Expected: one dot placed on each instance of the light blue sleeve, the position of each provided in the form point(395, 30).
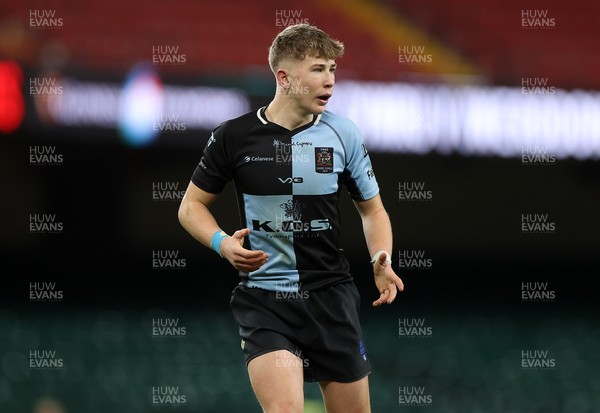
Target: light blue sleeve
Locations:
point(358, 175)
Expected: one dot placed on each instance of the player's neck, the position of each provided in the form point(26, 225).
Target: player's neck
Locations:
point(286, 113)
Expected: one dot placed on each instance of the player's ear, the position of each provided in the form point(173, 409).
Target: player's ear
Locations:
point(282, 78)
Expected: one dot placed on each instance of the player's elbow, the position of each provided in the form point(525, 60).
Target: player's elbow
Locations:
point(374, 212)
point(183, 212)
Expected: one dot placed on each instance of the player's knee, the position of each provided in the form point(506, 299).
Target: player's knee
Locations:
point(285, 406)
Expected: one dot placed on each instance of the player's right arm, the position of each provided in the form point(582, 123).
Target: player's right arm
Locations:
point(195, 216)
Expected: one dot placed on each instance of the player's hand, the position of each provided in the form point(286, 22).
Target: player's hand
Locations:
point(387, 282)
point(241, 258)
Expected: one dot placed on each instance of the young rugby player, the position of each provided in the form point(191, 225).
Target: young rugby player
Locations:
point(296, 305)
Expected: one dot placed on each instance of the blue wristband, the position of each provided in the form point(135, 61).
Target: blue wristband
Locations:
point(215, 242)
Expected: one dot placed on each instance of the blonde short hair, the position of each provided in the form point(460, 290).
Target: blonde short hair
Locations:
point(301, 40)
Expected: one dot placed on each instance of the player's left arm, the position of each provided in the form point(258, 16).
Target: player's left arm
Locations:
point(378, 234)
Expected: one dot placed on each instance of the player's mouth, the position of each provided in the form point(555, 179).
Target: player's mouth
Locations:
point(323, 99)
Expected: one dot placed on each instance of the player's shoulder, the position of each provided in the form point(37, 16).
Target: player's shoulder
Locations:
point(237, 126)
point(345, 129)
point(344, 126)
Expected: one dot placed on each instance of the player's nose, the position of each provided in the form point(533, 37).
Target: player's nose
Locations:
point(329, 80)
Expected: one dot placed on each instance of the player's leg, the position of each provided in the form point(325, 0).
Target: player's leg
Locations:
point(277, 378)
point(338, 357)
point(346, 397)
point(275, 369)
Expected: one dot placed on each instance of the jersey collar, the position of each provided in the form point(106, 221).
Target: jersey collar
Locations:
point(260, 113)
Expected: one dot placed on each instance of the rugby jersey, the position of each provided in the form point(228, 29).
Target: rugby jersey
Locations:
point(288, 185)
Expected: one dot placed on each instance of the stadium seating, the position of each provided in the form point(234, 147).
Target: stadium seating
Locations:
point(112, 362)
point(505, 50)
point(217, 39)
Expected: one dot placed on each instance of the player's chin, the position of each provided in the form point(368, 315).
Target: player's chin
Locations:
point(319, 108)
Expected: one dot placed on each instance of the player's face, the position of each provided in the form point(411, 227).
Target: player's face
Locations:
point(313, 79)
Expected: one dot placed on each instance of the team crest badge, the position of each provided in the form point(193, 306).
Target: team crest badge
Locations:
point(324, 160)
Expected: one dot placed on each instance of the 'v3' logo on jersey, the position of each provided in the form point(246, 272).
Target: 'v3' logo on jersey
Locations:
point(294, 180)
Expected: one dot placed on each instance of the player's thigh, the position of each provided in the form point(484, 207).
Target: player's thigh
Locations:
point(277, 378)
point(346, 397)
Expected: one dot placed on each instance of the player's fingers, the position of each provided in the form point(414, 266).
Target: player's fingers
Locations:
point(392, 295)
point(250, 254)
point(382, 298)
point(242, 252)
point(250, 258)
point(253, 261)
point(250, 265)
point(241, 233)
point(399, 284)
point(379, 301)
